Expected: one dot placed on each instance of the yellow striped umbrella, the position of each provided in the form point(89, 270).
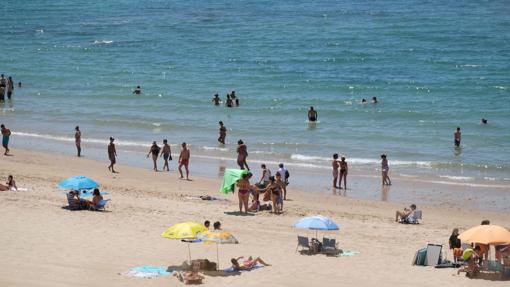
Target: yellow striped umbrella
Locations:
point(184, 231)
point(217, 237)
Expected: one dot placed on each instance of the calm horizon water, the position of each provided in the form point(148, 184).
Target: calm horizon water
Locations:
point(433, 65)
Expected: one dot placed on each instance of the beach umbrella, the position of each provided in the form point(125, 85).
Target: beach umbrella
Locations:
point(217, 237)
point(230, 178)
point(317, 222)
point(78, 183)
point(486, 234)
point(186, 232)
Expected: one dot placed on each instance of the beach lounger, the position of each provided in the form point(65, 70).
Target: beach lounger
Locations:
point(304, 243)
point(100, 205)
point(330, 247)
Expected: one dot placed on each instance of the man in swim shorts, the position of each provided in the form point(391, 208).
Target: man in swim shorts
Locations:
point(312, 115)
point(223, 133)
point(6, 133)
point(457, 137)
point(154, 150)
point(77, 139)
point(166, 154)
point(184, 160)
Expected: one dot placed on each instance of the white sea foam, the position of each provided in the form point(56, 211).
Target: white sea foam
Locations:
point(99, 42)
point(457, 178)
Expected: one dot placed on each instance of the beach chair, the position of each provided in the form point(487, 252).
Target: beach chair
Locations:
point(100, 205)
point(330, 247)
point(193, 277)
point(73, 204)
point(304, 243)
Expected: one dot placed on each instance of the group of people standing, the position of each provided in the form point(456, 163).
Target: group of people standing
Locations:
point(6, 87)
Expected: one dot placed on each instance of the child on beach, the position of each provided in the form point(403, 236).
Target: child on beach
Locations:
point(184, 160)
point(166, 154)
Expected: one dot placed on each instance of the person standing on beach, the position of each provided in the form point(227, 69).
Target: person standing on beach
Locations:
point(6, 133)
point(242, 154)
point(154, 150)
point(223, 133)
point(112, 155)
point(285, 179)
point(166, 154)
point(343, 173)
point(10, 88)
point(457, 137)
point(77, 139)
point(312, 115)
point(243, 192)
point(3, 87)
point(184, 160)
point(335, 166)
point(385, 169)
point(264, 179)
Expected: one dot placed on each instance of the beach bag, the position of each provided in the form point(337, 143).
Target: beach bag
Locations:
point(419, 258)
point(287, 174)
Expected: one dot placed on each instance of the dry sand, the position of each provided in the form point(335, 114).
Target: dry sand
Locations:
point(42, 244)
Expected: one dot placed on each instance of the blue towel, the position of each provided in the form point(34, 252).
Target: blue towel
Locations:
point(159, 270)
point(231, 269)
point(349, 253)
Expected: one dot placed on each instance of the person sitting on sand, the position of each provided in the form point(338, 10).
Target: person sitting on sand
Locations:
point(470, 255)
point(243, 188)
point(10, 184)
point(246, 264)
point(401, 215)
point(97, 197)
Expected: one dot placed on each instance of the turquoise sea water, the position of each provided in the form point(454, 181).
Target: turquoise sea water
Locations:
point(433, 65)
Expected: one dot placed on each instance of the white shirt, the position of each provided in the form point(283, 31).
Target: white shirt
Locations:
point(282, 171)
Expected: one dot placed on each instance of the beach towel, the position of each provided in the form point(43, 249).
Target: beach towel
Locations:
point(349, 253)
point(147, 272)
point(232, 270)
point(230, 178)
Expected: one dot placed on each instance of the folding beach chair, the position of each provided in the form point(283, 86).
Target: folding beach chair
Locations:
point(100, 205)
point(329, 246)
point(193, 277)
point(433, 256)
point(73, 204)
point(412, 218)
point(304, 243)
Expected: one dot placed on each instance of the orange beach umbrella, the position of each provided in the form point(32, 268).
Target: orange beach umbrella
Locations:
point(486, 234)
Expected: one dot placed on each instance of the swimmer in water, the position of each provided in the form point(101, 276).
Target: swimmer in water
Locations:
point(363, 101)
point(216, 100)
point(312, 115)
point(374, 100)
point(457, 137)
point(137, 91)
point(484, 121)
point(223, 133)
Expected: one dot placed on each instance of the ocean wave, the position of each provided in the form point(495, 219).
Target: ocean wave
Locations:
point(100, 42)
point(86, 140)
point(361, 161)
point(457, 178)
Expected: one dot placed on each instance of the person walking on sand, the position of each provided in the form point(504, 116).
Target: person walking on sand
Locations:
point(154, 150)
point(6, 133)
point(112, 155)
point(343, 173)
point(184, 160)
point(77, 139)
point(385, 169)
point(335, 166)
point(242, 154)
point(166, 154)
point(457, 137)
point(312, 115)
point(223, 133)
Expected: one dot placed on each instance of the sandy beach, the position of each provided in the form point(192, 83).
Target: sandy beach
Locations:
point(43, 244)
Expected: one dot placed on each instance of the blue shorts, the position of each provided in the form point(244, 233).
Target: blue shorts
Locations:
point(5, 140)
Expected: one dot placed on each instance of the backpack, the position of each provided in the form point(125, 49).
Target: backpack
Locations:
point(287, 174)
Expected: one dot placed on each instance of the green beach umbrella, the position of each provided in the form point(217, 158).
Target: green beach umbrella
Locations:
point(230, 178)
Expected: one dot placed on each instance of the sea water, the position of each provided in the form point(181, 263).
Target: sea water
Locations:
point(433, 65)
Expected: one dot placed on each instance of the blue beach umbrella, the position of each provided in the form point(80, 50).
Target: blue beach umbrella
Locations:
point(78, 183)
point(317, 222)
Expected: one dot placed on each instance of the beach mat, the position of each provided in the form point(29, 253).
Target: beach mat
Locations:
point(349, 253)
point(147, 272)
point(232, 270)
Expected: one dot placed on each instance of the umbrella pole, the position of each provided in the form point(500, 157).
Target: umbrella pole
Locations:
point(189, 254)
point(217, 258)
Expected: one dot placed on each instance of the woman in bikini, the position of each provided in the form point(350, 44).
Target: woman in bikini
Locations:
point(10, 184)
point(343, 173)
point(246, 264)
point(335, 166)
point(242, 154)
point(243, 188)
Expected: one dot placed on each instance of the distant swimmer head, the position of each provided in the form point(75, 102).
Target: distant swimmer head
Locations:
point(220, 122)
point(77, 128)
point(413, 206)
point(335, 156)
point(485, 222)
point(311, 108)
point(374, 100)
point(111, 139)
point(138, 87)
point(263, 166)
point(484, 121)
point(280, 165)
point(240, 142)
point(363, 100)
point(383, 156)
point(458, 129)
point(165, 141)
point(154, 143)
point(343, 158)
point(216, 96)
point(183, 144)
